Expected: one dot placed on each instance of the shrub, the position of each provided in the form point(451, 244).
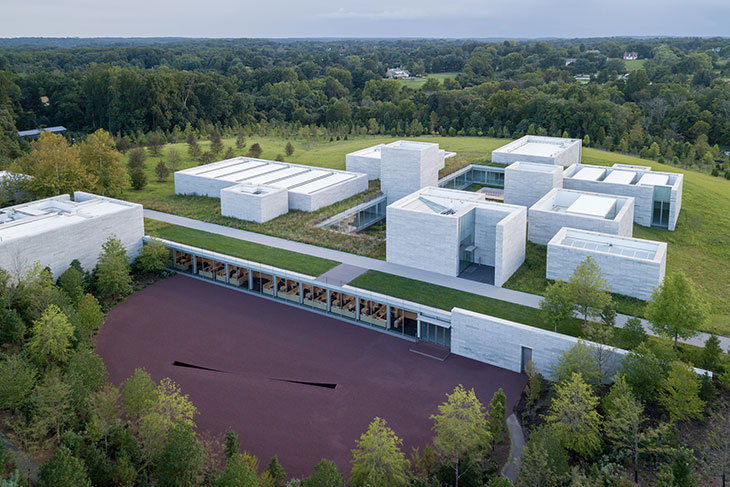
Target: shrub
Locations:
point(153, 258)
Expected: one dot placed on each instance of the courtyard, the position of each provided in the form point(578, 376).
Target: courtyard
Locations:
point(290, 382)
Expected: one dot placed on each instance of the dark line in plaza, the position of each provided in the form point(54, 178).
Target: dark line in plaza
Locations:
point(325, 385)
point(177, 363)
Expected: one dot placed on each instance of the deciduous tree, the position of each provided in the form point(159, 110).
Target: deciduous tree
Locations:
point(63, 470)
point(289, 149)
point(99, 155)
point(55, 167)
point(255, 150)
point(680, 393)
point(461, 431)
point(51, 338)
point(325, 475)
point(717, 444)
point(181, 460)
point(557, 306)
point(17, 379)
point(676, 309)
point(112, 269)
point(588, 289)
point(574, 416)
point(623, 422)
point(378, 459)
point(162, 171)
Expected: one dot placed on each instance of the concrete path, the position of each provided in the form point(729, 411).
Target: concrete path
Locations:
point(474, 287)
point(23, 462)
point(512, 467)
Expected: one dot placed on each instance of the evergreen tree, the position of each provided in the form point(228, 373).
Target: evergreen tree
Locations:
point(112, 270)
point(325, 475)
point(17, 379)
point(680, 394)
point(63, 470)
point(139, 179)
point(161, 171)
point(181, 460)
point(289, 149)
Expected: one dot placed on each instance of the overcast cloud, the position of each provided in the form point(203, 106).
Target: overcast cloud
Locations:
point(373, 18)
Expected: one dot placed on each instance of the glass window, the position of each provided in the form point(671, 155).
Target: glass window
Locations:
point(396, 320)
point(373, 313)
point(183, 261)
point(238, 276)
point(263, 283)
point(410, 323)
point(343, 304)
point(314, 296)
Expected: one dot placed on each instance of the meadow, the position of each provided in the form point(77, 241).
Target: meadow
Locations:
point(417, 83)
point(700, 246)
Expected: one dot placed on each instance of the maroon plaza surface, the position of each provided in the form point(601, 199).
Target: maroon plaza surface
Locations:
point(255, 341)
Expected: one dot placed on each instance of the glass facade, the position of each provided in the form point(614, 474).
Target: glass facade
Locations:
point(466, 240)
point(486, 175)
point(366, 310)
point(660, 211)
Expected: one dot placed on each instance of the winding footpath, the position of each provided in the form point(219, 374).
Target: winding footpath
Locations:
point(482, 289)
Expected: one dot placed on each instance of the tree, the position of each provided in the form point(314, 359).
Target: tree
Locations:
point(574, 416)
point(325, 475)
point(139, 179)
point(588, 289)
point(557, 307)
point(237, 473)
point(99, 155)
point(378, 459)
point(676, 309)
point(181, 460)
point(17, 379)
point(643, 372)
point(154, 143)
point(717, 444)
point(89, 317)
point(289, 149)
point(712, 353)
point(634, 333)
point(139, 394)
point(63, 470)
point(112, 269)
point(137, 158)
point(72, 282)
point(231, 446)
point(461, 431)
point(229, 153)
point(255, 150)
point(578, 359)
point(173, 157)
point(544, 461)
point(240, 141)
point(51, 338)
point(497, 416)
point(55, 167)
point(680, 394)
point(13, 327)
point(194, 151)
point(276, 472)
point(600, 336)
point(154, 257)
point(52, 399)
point(86, 373)
point(216, 144)
point(624, 418)
point(161, 171)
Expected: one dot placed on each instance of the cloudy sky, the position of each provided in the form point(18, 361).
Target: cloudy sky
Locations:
point(371, 18)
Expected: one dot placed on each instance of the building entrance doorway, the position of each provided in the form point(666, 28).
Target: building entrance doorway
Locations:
point(435, 334)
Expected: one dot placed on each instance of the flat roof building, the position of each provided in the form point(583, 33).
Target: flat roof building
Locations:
point(60, 129)
point(308, 188)
point(543, 150)
point(452, 232)
point(526, 182)
point(254, 202)
point(578, 209)
point(657, 195)
point(368, 160)
point(631, 266)
point(54, 231)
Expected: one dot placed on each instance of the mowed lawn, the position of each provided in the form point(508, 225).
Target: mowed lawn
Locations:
point(417, 83)
point(700, 246)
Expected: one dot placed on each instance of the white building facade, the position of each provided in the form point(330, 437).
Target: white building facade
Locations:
point(539, 149)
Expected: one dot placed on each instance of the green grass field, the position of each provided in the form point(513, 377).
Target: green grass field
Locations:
point(284, 259)
point(417, 83)
point(634, 64)
point(700, 246)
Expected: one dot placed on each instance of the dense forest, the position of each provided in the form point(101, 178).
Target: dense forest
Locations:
point(677, 105)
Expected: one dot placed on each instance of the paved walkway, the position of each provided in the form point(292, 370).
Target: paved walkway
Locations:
point(466, 285)
point(517, 438)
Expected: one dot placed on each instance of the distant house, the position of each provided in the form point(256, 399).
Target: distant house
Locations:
point(45, 101)
point(631, 56)
point(593, 51)
point(397, 73)
point(570, 60)
point(36, 132)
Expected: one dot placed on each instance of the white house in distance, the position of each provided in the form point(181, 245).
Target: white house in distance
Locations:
point(657, 195)
point(631, 266)
point(308, 188)
point(577, 209)
point(448, 231)
point(54, 231)
point(543, 150)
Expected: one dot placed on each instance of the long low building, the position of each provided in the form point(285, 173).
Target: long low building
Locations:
point(631, 266)
point(452, 232)
point(543, 150)
point(657, 195)
point(54, 231)
point(308, 188)
point(579, 209)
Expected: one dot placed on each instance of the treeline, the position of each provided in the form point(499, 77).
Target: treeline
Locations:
point(680, 101)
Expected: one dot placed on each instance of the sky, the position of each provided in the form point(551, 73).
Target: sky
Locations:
point(372, 18)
